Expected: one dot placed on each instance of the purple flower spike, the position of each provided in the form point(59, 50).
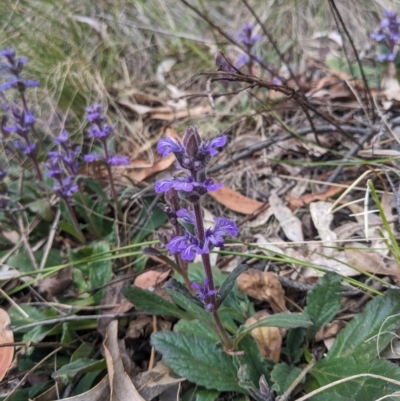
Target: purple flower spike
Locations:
point(66, 188)
point(28, 149)
point(167, 145)
point(178, 183)
point(117, 160)
point(91, 157)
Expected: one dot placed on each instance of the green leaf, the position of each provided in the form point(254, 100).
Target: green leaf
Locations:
point(363, 388)
point(230, 282)
point(79, 366)
point(197, 328)
point(150, 302)
point(207, 395)
point(294, 341)
point(85, 350)
point(323, 302)
point(252, 365)
point(283, 376)
point(194, 311)
point(197, 359)
point(370, 331)
point(42, 208)
point(283, 320)
point(100, 271)
point(175, 285)
point(70, 229)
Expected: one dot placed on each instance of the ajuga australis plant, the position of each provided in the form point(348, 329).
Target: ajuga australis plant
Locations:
point(190, 237)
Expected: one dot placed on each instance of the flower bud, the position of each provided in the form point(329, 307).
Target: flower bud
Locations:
point(191, 141)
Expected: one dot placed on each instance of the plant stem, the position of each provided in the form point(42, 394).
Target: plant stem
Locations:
point(207, 268)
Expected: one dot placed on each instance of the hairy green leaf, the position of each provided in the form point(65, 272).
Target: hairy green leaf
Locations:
point(150, 302)
point(197, 359)
point(370, 331)
point(229, 283)
point(283, 320)
point(197, 328)
point(323, 302)
point(283, 376)
point(365, 388)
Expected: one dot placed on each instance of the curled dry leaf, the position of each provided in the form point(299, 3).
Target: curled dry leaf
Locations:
point(122, 388)
point(264, 287)
point(268, 339)
point(289, 223)
point(100, 392)
point(150, 278)
point(155, 381)
point(322, 218)
point(6, 336)
point(235, 201)
point(295, 203)
point(370, 262)
point(330, 330)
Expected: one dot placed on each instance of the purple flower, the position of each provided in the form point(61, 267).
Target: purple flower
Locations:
point(98, 132)
point(94, 112)
point(187, 245)
point(66, 187)
point(214, 236)
point(19, 84)
point(246, 37)
point(167, 145)
point(91, 157)
point(63, 138)
point(28, 149)
point(3, 173)
point(204, 293)
point(187, 184)
point(9, 53)
point(218, 142)
point(117, 160)
point(187, 216)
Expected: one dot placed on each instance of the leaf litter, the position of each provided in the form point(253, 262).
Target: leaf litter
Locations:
point(284, 218)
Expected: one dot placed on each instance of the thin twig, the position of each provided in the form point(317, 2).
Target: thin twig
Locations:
point(72, 318)
point(52, 233)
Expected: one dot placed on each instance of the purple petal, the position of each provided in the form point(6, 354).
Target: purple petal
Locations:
point(117, 160)
point(164, 185)
point(186, 215)
point(166, 146)
point(91, 157)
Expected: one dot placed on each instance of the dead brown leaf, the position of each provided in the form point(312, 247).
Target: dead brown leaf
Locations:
point(100, 392)
point(263, 286)
point(56, 285)
point(290, 224)
point(370, 262)
point(6, 336)
point(155, 381)
point(150, 278)
point(235, 201)
point(122, 388)
point(268, 339)
point(295, 203)
point(142, 173)
point(330, 330)
point(137, 327)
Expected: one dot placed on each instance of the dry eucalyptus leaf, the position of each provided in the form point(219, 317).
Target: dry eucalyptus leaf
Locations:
point(369, 261)
point(330, 330)
point(264, 287)
point(289, 223)
point(153, 382)
point(322, 218)
point(235, 201)
point(268, 339)
point(6, 336)
point(150, 278)
point(122, 388)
